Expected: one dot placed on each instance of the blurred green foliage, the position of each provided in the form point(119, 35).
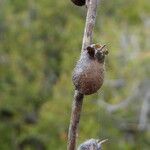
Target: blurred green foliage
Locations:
point(40, 41)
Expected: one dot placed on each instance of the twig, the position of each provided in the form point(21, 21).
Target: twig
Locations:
point(143, 119)
point(78, 97)
point(75, 117)
point(90, 23)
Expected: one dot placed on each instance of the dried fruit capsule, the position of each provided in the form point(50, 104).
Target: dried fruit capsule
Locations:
point(79, 2)
point(92, 144)
point(88, 74)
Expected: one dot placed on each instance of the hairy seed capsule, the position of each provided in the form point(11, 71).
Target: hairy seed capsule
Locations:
point(88, 74)
point(92, 144)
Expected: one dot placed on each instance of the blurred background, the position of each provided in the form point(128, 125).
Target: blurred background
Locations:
point(40, 42)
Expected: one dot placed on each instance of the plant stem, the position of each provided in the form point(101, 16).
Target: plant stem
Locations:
point(75, 117)
point(90, 23)
point(78, 97)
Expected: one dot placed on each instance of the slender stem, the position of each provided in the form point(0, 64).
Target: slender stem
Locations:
point(75, 117)
point(90, 23)
point(78, 97)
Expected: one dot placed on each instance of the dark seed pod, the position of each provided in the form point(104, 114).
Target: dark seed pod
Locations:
point(88, 74)
point(79, 2)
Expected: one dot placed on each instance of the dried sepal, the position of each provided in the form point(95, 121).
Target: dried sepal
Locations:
point(79, 2)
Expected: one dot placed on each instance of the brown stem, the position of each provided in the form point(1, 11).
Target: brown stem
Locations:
point(78, 97)
point(90, 23)
point(75, 117)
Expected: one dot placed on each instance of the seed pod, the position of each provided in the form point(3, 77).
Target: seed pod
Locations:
point(79, 2)
point(88, 74)
point(92, 144)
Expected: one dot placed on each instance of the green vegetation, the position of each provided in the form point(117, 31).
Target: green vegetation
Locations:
point(40, 41)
